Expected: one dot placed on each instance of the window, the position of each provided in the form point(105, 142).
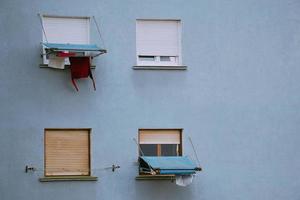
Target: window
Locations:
point(67, 152)
point(65, 30)
point(161, 155)
point(160, 142)
point(158, 42)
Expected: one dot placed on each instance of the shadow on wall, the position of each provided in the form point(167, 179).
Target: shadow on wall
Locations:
point(162, 190)
point(158, 78)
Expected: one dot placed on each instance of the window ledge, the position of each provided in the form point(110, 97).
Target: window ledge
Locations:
point(68, 178)
point(66, 66)
point(151, 67)
point(155, 177)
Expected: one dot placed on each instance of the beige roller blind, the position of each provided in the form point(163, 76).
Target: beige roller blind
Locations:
point(67, 152)
point(159, 136)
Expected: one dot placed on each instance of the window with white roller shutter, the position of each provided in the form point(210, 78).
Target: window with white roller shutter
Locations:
point(63, 30)
point(158, 42)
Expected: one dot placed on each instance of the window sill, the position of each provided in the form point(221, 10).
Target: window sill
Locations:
point(144, 67)
point(68, 178)
point(155, 177)
point(66, 66)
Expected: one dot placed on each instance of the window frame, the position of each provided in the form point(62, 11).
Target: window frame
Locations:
point(89, 131)
point(180, 151)
point(177, 62)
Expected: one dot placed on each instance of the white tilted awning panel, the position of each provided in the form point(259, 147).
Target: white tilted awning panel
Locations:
point(67, 30)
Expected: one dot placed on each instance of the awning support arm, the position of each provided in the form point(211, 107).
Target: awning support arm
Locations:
point(102, 52)
point(140, 149)
point(98, 30)
point(41, 21)
point(190, 139)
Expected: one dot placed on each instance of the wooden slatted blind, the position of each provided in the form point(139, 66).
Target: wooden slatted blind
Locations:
point(67, 152)
point(153, 136)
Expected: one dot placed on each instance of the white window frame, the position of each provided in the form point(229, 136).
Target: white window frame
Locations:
point(175, 60)
point(45, 60)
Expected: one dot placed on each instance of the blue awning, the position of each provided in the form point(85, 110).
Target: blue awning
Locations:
point(73, 47)
point(171, 164)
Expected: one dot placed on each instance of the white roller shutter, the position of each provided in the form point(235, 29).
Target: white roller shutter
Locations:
point(74, 30)
point(158, 38)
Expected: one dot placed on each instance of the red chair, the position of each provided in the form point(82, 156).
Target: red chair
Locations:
point(81, 68)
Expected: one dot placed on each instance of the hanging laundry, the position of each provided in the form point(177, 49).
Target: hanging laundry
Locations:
point(81, 68)
point(65, 54)
point(57, 62)
point(184, 180)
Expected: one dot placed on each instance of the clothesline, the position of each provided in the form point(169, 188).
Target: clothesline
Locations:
point(35, 169)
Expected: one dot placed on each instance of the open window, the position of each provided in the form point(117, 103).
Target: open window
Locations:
point(161, 154)
point(66, 41)
point(160, 142)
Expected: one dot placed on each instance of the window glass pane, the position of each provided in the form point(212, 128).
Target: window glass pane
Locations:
point(169, 150)
point(147, 58)
point(165, 58)
point(149, 149)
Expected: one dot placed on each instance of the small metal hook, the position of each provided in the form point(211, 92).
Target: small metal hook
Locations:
point(114, 167)
point(27, 169)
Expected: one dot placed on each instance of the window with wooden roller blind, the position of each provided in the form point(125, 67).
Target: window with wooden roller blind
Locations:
point(67, 152)
point(161, 142)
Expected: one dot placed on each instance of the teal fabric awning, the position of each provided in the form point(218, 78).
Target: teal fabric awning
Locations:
point(178, 165)
point(73, 47)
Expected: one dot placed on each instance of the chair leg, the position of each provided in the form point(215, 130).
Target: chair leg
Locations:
point(74, 83)
point(91, 76)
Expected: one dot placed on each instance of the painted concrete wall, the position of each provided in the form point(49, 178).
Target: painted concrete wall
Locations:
point(239, 99)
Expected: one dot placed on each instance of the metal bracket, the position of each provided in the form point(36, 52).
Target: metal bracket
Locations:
point(114, 167)
point(198, 168)
point(31, 169)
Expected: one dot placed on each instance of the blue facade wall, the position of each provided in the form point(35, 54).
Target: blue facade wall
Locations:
point(239, 99)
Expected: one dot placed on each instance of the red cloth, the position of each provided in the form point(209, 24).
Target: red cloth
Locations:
point(81, 68)
point(63, 54)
